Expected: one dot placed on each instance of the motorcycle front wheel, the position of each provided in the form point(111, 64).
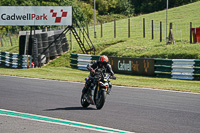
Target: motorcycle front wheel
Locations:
point(100, 102)
point(84, 102)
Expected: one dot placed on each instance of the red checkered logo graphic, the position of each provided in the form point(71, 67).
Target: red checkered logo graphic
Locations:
point(58, 19)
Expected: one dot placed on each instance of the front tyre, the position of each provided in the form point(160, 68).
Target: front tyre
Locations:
point(84, 102)
point(100, 102)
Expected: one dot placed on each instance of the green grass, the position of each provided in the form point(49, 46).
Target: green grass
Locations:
point(69, 74)
point(137, 46)
point(152, 50)
point(61, 61)
point(6, 46)
point(109, 18)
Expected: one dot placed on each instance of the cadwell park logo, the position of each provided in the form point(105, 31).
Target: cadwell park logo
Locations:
point(35, 17)
point(58, 19)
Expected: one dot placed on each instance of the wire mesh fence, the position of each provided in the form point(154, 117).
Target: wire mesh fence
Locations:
point(154, 30)
point(8, 39)
point(118, 30)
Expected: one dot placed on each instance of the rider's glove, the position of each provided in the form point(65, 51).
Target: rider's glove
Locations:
point(113, 77)
point(92, 72)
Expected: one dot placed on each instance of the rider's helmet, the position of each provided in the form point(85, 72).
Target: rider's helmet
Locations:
point(103, 59)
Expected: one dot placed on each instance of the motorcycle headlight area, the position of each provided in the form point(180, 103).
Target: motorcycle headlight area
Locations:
point(103, 84)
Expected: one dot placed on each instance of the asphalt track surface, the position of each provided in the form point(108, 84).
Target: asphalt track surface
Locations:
point(137, 110)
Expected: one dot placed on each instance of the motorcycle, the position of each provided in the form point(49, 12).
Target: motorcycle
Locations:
point(97, 92)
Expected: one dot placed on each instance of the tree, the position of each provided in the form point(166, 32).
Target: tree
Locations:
point(147, 6)
point(88, 11)
point(8, 3)
point(124, 7)
point(105, 6)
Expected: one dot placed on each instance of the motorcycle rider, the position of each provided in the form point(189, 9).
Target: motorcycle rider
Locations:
point(102, 63)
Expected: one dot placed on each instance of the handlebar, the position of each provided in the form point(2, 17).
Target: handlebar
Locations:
point(99, 73)
point(111, 77)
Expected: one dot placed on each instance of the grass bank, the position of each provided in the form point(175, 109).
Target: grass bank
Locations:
point(69, 74)
point(137, 46)
point(150, 49)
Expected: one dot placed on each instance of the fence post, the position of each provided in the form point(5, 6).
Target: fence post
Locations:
point(26, 43)
point(101, 30)
point(129, 28)
point(10, 39)
point(71, 39)
point(160, 31)
point(1, 42)
point(190, 32)
point(114, 28)
point(143, 27)
point(30, 42)
point(83, 36)
point(152, 30)
point(35, 52)
point(171, 36)
point(46, 29)
point(171, 26)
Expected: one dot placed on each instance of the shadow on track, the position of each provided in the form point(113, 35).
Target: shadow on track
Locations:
point(69, 108)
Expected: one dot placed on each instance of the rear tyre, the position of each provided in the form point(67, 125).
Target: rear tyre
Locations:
point(100, 102)
point(84, 102)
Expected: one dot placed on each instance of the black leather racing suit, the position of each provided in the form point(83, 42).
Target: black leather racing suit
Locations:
point(95, 66)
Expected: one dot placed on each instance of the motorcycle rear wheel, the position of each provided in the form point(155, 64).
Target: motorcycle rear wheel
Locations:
point(84, 102)
point(100, 102)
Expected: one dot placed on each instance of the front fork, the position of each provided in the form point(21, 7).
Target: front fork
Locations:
point(98, 93)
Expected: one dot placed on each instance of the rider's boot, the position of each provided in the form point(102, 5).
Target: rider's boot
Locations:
point(109, 90)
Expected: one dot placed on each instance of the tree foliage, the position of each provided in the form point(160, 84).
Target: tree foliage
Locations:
point(124, 7)
point(147, 6)
point(88, 11)
point(105, 6)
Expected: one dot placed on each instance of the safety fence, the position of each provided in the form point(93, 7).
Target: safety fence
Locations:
point(168, 68)
point(145, 28)
point(81, 61)
point(178, 68)
point(15, 60)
